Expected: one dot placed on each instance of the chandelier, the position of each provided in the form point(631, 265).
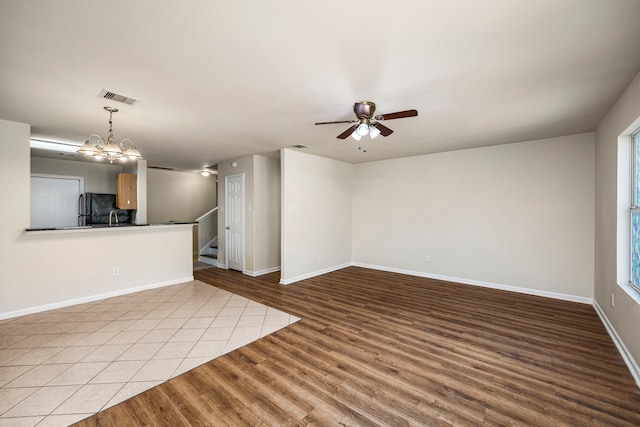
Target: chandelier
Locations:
point(98, 148)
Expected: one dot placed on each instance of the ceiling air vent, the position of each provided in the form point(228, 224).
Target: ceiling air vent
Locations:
point(161, 168)
point(116, 97)
point(299, 146)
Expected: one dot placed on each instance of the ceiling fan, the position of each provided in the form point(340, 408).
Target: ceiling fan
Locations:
point(367, 123)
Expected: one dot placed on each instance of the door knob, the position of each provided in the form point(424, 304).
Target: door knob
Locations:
point(227, 228)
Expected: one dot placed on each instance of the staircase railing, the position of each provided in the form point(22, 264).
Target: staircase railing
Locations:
point(207, 228)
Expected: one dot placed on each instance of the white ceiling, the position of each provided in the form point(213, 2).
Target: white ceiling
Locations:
point(222, 79)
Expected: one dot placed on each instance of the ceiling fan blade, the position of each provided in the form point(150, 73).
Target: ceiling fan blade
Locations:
point(397, 115)
point(347, 132)
point(384, 131)
point(331, 123)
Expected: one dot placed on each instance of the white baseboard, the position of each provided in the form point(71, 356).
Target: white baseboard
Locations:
point(91, 298)
point(622, 349)
point(314, 274)
point(221, 265)
point(261, 272)
point(555, 295)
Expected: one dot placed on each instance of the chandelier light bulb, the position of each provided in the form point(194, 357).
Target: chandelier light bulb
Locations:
point(89, 149)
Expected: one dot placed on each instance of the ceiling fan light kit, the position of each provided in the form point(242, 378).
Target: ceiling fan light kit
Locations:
point(373, 132)
point(363, 129)
point(367, 123)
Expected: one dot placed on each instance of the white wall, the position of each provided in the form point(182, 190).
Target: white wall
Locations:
point(98, 177)
point(15, 173)
point(624, 317)
point(142, 171)
point(517, 215)
point(316, 215)
point(178, 196)
point(266, 214)
point(48, 270)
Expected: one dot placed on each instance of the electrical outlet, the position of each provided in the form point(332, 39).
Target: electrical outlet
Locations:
point(427, 258)
point(116, 271)
point(613, 300)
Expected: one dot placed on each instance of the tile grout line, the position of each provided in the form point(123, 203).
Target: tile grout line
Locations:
point(194, 302)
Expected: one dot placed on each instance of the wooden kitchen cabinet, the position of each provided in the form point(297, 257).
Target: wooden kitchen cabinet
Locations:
point(127, 191)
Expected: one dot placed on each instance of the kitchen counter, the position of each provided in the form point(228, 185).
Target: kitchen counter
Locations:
point(104, 228)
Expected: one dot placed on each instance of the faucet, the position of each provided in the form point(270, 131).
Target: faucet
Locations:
point(115, 213)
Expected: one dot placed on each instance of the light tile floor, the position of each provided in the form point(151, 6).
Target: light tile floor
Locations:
point(60, 366)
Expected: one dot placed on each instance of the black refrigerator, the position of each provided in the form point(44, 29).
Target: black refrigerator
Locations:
point(94, 208)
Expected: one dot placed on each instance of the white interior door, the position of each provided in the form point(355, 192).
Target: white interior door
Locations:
point(54, 200)
point(234, 218)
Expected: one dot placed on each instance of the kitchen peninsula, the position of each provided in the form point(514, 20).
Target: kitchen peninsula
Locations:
point(46, 269)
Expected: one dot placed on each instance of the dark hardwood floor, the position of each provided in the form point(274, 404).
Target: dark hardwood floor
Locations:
point(378, 348)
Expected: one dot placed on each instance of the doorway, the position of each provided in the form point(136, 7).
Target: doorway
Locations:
point(234, 221)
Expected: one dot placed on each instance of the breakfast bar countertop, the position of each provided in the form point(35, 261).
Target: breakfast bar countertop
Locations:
point(103, 228)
